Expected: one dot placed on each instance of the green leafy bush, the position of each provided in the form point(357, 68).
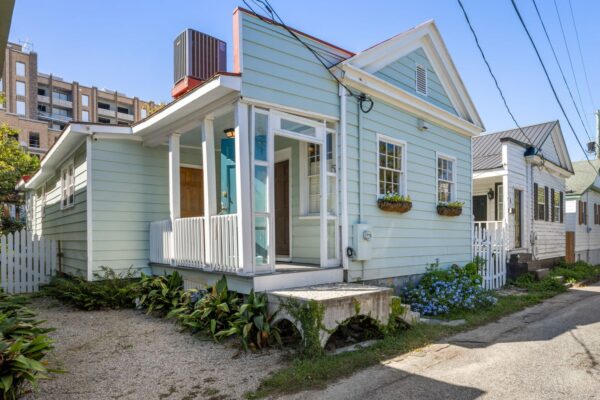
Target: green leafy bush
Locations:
point(252, 323)
point(547, 284)
point(221, 313)
point(579, 271)
point(211, 312)
point(160, 294)
point(109, 290)
point(23, 345)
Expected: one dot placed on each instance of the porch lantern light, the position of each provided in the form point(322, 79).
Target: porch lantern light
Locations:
point(230, 132)
point(490, 194)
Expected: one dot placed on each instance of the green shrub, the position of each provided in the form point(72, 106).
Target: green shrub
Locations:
point(160, 294)
point(221, 313)
point(23, 345)
point(252, 323)
point(579, 271)
point(547, 284)
point(211, 313)
point(109, 290)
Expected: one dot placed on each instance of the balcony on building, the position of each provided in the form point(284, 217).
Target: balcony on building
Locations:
point(62, 98)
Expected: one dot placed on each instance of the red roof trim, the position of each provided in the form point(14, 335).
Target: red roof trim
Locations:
point(270, 21)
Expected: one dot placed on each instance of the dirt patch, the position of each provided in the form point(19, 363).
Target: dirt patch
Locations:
point(128, 355)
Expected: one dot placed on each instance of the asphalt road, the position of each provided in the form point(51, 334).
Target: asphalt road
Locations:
point(549, 351)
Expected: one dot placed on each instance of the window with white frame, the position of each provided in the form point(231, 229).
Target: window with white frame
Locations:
point(85, 100)
point(446, 179)
point(20, 107)
point(391, 158)
point(67, 186)
point(85, 116)
point(312, 182)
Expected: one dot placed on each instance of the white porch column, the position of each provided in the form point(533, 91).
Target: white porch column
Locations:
point(244, 196)
point(210, 183)
point(174, 179)
point(174, 187)
point(324, 192)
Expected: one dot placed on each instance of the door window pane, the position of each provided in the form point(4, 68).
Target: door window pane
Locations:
point(261, 130)
point(260, 188)
point(261, 240)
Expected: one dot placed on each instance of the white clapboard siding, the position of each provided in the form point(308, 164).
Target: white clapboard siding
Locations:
point(26, 262)
point(489, 246)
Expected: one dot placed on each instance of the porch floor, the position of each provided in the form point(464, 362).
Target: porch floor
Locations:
point(284, 267)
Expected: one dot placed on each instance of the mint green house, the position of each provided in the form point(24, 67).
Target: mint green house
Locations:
point(271, 173)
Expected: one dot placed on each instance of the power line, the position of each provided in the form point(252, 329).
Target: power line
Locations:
point(492, 74)
point(549, 80)
point(564, 36)
point(581, 56)
point(561, 70)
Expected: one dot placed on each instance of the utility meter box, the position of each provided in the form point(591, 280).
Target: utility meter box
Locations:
point(363, 238)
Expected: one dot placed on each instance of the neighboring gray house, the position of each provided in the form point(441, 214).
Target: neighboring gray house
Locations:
point(582, 212)
point(519, 185)
point(271, 174)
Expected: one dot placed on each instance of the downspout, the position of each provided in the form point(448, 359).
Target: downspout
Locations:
point(344, 177)
point(360, 179)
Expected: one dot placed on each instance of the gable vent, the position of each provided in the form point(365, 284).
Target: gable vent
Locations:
point(421, 80)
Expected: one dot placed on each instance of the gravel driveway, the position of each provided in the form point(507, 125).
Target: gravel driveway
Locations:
point(128, 355)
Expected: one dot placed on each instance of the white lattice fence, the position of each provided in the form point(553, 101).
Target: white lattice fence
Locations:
point(491, 249)
point(26, 261)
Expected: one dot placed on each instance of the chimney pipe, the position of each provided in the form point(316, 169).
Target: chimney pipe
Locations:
point(598, 134)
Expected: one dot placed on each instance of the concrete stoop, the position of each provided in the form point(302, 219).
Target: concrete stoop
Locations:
point(340, 302)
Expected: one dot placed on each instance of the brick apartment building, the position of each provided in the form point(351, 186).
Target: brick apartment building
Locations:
point(40, 105)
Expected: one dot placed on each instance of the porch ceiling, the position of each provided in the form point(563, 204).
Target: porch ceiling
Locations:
point(213, 98)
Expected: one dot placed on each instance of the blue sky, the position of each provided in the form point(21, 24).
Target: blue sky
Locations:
point(127, 45)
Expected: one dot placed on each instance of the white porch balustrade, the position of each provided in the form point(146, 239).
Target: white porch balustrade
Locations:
point(183, 243)
point(160, 242)
point(188, 241)
point(225, 246)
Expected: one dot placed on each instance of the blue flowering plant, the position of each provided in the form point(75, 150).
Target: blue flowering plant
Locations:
point(443, 291)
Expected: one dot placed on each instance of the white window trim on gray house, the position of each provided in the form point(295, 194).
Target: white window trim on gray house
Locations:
point(67, 185)
point(452, 182)
point(402, 187)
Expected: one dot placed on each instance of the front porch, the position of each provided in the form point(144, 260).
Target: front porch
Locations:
point(250, 198)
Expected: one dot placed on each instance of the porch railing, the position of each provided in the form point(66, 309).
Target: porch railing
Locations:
point(183, 242)
point(188, 240)
point(160, 242)
point(224, 234)
point(494, 229)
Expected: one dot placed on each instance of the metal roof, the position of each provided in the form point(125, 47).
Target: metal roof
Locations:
point(487, 149)
point(584, 177)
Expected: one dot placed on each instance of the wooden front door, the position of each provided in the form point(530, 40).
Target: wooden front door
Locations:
point(192, 192)
point(282, 208)
point(480, 208)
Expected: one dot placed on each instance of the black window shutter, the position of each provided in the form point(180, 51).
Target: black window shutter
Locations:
point(547, 203)
point(580, 212)
point(562, 208)
point(553, 217)
point(535, 201)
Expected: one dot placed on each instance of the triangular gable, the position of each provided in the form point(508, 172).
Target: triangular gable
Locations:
point(427, 39)
point(402, 73)
point(554, 149)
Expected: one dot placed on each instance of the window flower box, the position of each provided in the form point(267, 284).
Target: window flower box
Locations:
point(453, 209)
point(394, 202)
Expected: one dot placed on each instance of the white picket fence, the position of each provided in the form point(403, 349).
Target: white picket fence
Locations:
point(490, 247)
point(26, 261)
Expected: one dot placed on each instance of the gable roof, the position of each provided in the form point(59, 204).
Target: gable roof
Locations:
point(487, 149)
point(427, 37)
point(584, 177)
